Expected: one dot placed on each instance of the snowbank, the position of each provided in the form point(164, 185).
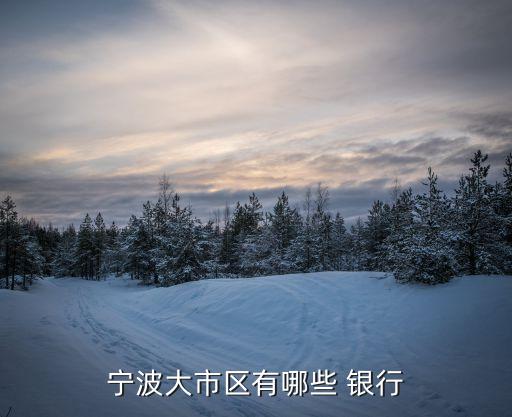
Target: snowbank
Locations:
point(452, 342)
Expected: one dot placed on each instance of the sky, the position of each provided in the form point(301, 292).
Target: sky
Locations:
point(99, 98)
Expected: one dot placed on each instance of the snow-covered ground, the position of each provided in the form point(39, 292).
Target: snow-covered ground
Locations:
point(59, 341)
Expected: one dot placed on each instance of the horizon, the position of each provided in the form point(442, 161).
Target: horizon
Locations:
point(297, 201)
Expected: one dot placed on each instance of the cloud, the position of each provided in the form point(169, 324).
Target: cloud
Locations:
point(243, 95)
point(494, 125)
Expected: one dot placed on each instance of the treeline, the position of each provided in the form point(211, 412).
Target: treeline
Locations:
point(426, 237)
point(21, 252)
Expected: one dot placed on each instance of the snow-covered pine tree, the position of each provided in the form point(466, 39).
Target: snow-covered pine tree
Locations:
point(322, 232)
point(357, 253)
point(182, 261)
point(503, 207)
point(240, 235)
point(433, 246)
point(401, 229)
point(145, 245)
point(301, 251)
point(256, 252)
point(283, 225)
point(9, 235)
point(376, 230)
point(130, 248)
point(186, 267)
point(49, 239)
point(64, 264)
point(85, 249)
point(312, 248)
point(227, 255)
point(99, 246)
point(340, 244)
point(247, 236)
point(209, 240)
point(165, 215)
point(171, 240)
point(30, 259)
point(113, 254)
point(426, 253)
point(480, 231)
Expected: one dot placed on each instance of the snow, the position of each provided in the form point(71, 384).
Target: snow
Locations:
point(59, 341)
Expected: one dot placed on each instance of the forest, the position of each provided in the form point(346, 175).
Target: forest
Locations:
point(426, 237)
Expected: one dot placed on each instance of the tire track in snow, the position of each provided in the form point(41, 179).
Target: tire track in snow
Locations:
point(140, 357)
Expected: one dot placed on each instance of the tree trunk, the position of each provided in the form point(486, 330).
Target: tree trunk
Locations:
point(13, 271)
point(6, 266)
point(472, 259)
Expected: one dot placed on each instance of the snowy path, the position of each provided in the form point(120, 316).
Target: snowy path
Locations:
point(452, 342)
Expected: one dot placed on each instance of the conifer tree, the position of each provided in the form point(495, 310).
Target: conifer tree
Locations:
point(9, 239)
point(131, 248)
point(376, 231)
point(283, 227)
point(64, 264)
point(340, 244)
point(227, 249)
point(209, 240)
point(186, 267)
point(478, 227)
point(99, 242)
point(323, 251)
point(400, 229)
point(358, 255)
point(85, 249)
point(113, 259)
point(426, 253)
point(30, 259)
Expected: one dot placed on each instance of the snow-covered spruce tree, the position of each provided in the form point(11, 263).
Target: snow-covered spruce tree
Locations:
point(479, 229)
point(149, 246)
point(84, 254)
point(64, 264)
point(30, 259)
point(209, 240)
point(9, 235)
point(130, 247)
point(169, 220)
point(340, 244)
point(312, 249)
point(503, 207)
point(113, 254)
point(139, 244)
point(300, 252)
point(507, 197)
point(182, 260)
point(99, 242)
point(186, 267)
point(376, 230)
point(256, 252)
point(427, 253)
point(227, 255)
point(49, 240)
point(282, 227)
point(166, 218)
point(357, 256)
point(230, 248)
point(322, 227)
point(246, 233)
point(400, 235)
point(20, 252)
